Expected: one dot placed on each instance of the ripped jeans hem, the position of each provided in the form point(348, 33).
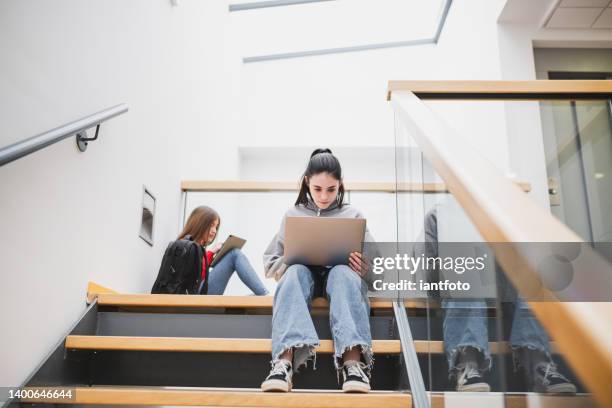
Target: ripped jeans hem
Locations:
point(529, 346)
point(366, 353)
point(485, 365)
point(302, 354)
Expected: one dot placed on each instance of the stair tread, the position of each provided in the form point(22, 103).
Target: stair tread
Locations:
point(223, 397)
point(509, 400)
point(198, 344)
point(253, 397)
point(222, 301)
point(243, 345)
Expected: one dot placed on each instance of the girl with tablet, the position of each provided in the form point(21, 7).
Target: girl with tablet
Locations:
point(294, 337)
point(202, 225)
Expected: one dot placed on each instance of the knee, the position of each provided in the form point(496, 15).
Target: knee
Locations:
point(295, 274)
point(343, 275)
point(296, 282)
point(234, 253)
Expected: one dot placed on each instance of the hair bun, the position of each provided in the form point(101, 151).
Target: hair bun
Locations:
point(317, 151)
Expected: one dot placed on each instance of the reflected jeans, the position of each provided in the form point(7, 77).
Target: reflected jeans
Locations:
point(465, 325)
point(349, 311)
point(236, 261)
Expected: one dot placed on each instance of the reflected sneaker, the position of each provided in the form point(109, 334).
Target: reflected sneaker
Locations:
point(279, 378)
point(354, 377)
point(547, 379)
point(469, 379)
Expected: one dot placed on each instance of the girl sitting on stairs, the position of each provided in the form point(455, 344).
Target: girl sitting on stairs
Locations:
point(294, 337)
point(202, 225)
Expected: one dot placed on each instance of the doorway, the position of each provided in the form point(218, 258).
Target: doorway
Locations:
point(578, 144)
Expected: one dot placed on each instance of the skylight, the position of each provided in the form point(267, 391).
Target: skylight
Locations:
point(270, 30)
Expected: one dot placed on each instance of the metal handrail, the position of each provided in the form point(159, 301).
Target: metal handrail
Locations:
point(413, 369)
point(30, 145)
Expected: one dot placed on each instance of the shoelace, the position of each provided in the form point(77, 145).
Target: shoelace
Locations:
point(356, 369)
point(469, 371)
point(551, 372)
point(280, 368)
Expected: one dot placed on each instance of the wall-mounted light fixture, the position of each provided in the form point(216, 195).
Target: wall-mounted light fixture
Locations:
point(148, 215)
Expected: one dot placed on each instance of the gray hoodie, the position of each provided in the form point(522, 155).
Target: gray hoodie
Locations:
point(273, 258)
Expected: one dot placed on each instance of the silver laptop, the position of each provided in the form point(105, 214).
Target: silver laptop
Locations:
point(325, 241)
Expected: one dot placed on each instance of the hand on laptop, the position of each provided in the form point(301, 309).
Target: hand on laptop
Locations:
point(356, 262)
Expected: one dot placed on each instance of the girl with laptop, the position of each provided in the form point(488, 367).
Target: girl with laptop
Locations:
point(202, 225)
point(294, 337)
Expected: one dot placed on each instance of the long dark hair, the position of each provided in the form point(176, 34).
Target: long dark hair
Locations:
point(199, 222)
point(321, 161)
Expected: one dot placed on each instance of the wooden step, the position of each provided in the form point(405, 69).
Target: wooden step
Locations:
point(164, 396)
point(238, 345)
point(214, 301)
point(208, 345)
point(232, 397)
point(495, 347)
point(509, 400)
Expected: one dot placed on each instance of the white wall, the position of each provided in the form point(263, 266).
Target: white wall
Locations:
point(338, 100)
point(67, 218)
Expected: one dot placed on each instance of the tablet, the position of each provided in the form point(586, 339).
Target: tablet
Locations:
point(230, 243)
point(324, 241)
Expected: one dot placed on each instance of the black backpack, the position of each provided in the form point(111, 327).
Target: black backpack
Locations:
point(181, 269)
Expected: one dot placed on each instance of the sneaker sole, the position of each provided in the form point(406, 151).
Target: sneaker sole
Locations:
point(477, 387)
point(565, 388)
point(355, 386)
point(275, 386)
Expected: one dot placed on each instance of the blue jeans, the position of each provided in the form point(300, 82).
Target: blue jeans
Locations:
point(465, 325)
point(349, 312)
point(221, 273)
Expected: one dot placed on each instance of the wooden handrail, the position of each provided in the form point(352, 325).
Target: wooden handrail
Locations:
point(504, 90)
point(267, 186)
point(501, 213)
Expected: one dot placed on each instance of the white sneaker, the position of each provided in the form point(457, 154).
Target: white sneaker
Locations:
point(354, 377)
point(279, 378)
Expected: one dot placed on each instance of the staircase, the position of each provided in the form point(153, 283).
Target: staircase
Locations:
point(167, 350)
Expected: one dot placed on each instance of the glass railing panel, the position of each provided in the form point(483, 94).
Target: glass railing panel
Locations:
point(492, 318)
point(379, 210)
point(561, 150)
point(445, 326)
point(578, 150)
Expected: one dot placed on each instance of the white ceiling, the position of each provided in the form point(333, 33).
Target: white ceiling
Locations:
point(581, 14)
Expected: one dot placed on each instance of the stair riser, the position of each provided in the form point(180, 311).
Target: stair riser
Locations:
point(57, 368)
point(229, 326)
point(220, 370)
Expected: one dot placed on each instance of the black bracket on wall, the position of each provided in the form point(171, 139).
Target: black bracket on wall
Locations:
point(82, 139)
